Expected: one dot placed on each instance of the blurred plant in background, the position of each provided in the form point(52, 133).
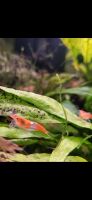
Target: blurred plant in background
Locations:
point(80, 54)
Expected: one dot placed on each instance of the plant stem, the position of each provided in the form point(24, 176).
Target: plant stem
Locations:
point(66, 124)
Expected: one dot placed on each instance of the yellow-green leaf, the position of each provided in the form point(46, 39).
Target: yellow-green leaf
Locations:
point(80, 46)
point(75, 159)
point(64, 148)
point(30, 158)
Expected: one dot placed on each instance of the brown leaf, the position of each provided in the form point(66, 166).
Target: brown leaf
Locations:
point(8, 146)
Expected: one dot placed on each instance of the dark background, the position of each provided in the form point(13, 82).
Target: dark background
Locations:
point(46, 53)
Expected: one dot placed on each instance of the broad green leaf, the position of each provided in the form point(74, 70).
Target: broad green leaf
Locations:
point(51, 122)
point(48, 105)
point(82, 91)
point(65, 147)
point(42, 102)
point(14, 133)
point(30, 158)
point(75, 159)
point(80, 46)
point(38, 157)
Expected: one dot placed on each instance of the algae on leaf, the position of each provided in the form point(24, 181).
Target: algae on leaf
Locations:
point(48, 105)
point(51, 122)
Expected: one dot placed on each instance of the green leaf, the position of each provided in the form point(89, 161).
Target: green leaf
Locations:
point(64, 77)
point(42, 102)
point(80, 46)
point(38, 157)
point(75, 159)
point(48, 105)
point(65, 147)
point(82, 91)
point(51, 122)
point(30, 158)
point(14, 133)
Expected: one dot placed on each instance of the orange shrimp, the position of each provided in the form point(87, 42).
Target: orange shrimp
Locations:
point(27, 124)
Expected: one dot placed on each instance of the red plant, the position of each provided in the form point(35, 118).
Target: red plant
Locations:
point(85, 115)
